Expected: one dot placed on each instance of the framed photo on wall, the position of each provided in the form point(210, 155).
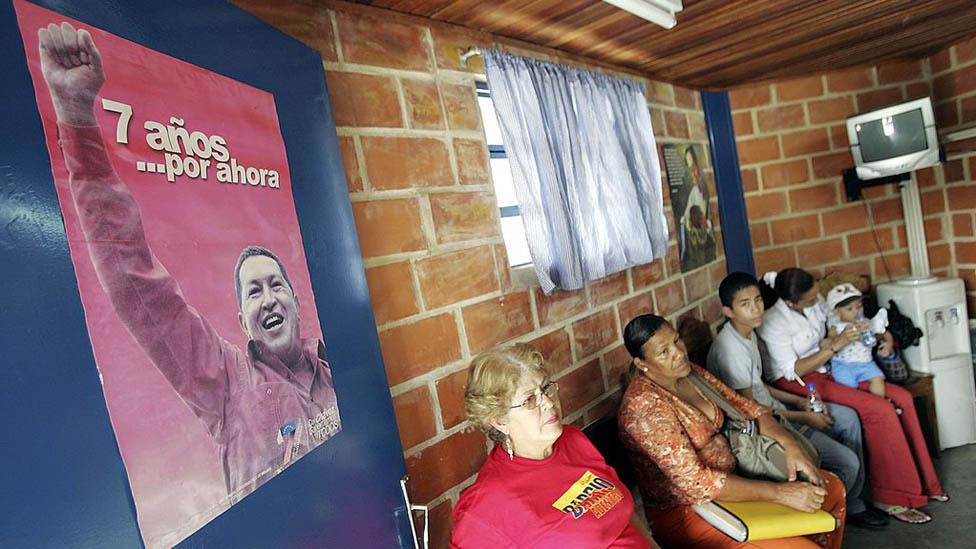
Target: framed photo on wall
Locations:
point(693, 221)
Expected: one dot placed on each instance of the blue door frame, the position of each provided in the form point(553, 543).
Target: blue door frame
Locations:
point(728, 183)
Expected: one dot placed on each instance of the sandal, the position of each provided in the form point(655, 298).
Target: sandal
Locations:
point(941, 498)
point(906, 514)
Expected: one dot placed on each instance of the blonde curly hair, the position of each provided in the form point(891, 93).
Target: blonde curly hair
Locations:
point(493, 378)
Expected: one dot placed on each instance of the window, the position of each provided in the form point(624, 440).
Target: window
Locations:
point(513, 230)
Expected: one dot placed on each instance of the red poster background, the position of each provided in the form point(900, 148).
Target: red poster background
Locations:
point(196, 228)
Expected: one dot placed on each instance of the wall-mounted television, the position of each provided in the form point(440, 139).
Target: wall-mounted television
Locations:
point(894, 140)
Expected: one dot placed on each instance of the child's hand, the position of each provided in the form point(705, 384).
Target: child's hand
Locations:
point(887, 344)
point(820, 422)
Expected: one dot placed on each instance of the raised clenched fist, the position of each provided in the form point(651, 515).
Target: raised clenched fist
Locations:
point(72, 69)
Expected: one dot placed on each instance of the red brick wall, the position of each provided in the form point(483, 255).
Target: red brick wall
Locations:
point(418, 178)
point(793, 146)
point(954, 90)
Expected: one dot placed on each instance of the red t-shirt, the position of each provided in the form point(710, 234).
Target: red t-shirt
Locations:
point(570, 499)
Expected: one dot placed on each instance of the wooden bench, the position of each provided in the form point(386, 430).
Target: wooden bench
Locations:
point(923, 391)
point(697, 336)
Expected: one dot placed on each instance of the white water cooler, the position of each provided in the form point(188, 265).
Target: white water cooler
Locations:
point(938, 308)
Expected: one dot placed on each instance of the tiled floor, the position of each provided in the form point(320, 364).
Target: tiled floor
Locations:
point(952, 523)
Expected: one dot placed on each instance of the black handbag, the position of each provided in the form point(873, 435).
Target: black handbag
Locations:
point(902, 328)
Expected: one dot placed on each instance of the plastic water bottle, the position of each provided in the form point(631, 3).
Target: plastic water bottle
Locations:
point(814, 403)
point(867, 338)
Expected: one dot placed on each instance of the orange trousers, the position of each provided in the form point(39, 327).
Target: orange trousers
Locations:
point(682, 527)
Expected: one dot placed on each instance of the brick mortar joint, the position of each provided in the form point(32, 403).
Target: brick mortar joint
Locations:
point(444, 136)
point(433, 376)
point(465, 426)
point(954, 65)
point(416, 192)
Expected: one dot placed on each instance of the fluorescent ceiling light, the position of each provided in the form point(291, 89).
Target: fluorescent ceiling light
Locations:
point(668, 5)
point(659, 12)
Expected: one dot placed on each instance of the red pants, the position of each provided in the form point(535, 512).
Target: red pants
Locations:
point(900, 469)
point(682, 527)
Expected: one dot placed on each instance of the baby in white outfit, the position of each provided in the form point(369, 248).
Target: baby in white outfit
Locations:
point(854, 364)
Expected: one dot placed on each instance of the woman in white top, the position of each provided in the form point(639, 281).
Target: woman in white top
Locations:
point(797, 348)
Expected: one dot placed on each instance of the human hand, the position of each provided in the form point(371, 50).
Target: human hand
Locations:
point(847, 336)
point(72, 68)
point(887, 345)
point(801, 496)
point(798, 462)
point(828, 342)
point(820, 422)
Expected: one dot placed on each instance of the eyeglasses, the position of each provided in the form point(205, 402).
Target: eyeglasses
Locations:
point(535, 399)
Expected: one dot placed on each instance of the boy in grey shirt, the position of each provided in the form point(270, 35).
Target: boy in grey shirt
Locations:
point(734, 358)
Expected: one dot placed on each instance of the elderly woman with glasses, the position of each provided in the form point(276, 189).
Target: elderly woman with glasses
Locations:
point(544, 484)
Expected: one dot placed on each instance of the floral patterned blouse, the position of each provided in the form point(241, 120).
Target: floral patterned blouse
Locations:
point(681, 457)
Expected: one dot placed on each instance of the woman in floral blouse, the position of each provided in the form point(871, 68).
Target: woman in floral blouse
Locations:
point(672, 432)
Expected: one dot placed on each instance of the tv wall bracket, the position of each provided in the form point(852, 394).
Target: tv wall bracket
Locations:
point(853, 184)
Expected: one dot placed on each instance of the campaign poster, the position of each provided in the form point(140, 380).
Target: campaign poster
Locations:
point(177, 202)
point(689, 204)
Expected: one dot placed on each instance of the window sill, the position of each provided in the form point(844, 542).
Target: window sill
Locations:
point(523, 277)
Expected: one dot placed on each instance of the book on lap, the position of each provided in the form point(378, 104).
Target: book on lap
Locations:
point(755, 520)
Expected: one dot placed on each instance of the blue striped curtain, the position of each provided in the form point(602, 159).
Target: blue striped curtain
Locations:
point(585, 167)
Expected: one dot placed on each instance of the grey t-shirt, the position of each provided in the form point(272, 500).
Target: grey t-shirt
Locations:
point(736, 361)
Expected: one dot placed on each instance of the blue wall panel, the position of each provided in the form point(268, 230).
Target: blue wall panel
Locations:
point(728, 183)
point(64, 484)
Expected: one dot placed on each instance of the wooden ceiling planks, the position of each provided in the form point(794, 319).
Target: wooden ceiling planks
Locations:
point(718, 43)
point(828, 42)
point(792, 45)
